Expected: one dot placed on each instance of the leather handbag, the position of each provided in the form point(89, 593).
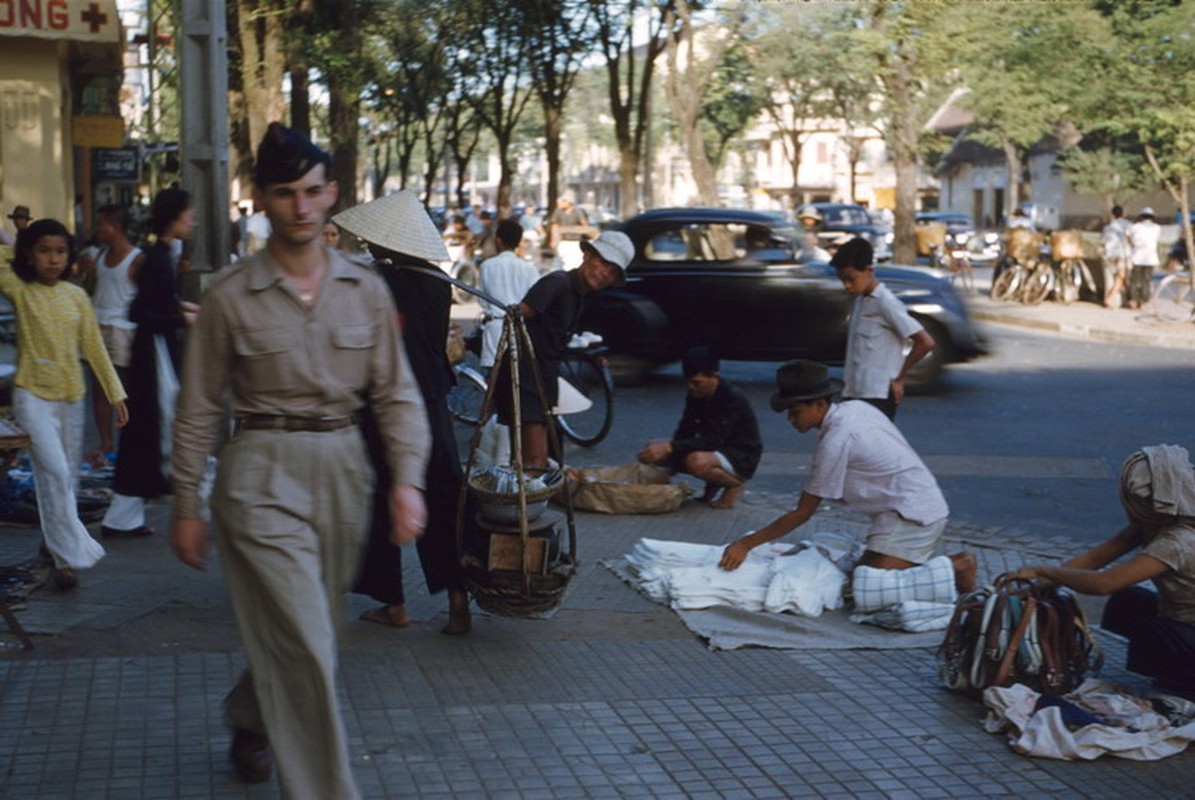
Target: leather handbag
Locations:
point(1017, 632)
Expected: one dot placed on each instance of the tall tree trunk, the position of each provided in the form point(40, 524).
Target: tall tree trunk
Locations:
point(260, 27)
point(553, 124)
point(904, 159)
point(299, 28)
point(1012, 159)
point(344, 105)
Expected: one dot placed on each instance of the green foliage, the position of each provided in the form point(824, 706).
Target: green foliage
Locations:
point(732, 101)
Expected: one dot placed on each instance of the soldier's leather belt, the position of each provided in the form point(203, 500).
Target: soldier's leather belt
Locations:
point(280, 422)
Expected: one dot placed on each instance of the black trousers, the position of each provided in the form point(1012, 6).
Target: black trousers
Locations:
point(1139, 289)
point(1158, 647)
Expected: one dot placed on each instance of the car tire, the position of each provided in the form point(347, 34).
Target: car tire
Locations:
point(927, 373)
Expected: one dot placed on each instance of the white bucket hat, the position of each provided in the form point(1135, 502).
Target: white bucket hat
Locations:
point(613, 247)
point(397, 222)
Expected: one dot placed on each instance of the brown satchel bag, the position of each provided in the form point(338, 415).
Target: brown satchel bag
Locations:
point(1034, 635)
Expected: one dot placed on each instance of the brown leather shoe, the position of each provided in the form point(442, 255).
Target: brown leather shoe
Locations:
point(250, 755)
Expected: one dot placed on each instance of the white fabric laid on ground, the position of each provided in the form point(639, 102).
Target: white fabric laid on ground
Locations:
point(1133, 729)
point(773, 578)
point(652, 565)
point(913, 616)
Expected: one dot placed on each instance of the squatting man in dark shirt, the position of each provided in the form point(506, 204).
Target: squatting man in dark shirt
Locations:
point(717, 439)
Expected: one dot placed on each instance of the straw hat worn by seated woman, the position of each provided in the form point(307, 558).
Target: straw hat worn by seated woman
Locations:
point(1157, 490)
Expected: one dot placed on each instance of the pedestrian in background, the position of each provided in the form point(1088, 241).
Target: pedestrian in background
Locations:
point(143, 458)
point(1117, 253)
point(876, 364)
point(407, 246)
point(56, 326)
point(294, 340)
point(1143, 239)
point(20, 217)
point(507, 278)
point(117, 269)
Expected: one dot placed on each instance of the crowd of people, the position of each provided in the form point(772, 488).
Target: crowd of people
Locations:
point(321, 377)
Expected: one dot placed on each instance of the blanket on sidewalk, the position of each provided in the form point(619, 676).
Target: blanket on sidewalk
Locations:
point(796, 606)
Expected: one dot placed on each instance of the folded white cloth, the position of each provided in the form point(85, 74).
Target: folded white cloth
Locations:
point(913, 616)
point(933, 581)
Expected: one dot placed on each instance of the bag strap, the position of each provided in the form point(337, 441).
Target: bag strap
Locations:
point(1028, 616)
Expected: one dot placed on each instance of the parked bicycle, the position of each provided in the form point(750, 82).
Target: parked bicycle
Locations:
point(1174, 300)
point(586, 368)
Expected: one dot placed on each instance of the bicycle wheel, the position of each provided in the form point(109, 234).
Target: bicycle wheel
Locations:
point(591, 377)
point(466, 273)
point(1038, 286)
point(466, 397)
point(1007, 283)
point(1070, 279)
point(1174, 301)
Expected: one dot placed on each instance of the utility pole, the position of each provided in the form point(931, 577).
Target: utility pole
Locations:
point(203, 85)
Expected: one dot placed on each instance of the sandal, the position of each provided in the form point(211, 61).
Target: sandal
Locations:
point(65, 578)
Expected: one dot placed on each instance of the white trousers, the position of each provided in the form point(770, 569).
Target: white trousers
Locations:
point(55, 429)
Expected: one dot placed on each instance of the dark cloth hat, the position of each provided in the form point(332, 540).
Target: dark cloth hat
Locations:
point(286, 155)
point(698, 360)
point(802, 380)
point(20, 212)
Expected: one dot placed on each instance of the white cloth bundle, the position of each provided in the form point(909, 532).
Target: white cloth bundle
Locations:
point(932, 582)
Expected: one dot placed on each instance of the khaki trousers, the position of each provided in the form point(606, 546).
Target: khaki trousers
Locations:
point(291, 513)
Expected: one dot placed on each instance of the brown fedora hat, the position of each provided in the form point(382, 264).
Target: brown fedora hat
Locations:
point(20, 212)
point(802, 380)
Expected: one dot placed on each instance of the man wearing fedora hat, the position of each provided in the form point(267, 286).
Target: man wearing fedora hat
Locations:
point(294, 339)
point(863, 459)
point(551, 309)
point(21, 218)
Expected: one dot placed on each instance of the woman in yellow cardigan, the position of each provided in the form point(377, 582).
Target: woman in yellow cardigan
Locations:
point(55, 327)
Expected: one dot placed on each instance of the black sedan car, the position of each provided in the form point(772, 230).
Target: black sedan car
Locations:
point(729, 279)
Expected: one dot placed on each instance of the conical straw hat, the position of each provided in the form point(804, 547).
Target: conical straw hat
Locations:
point(397, 222)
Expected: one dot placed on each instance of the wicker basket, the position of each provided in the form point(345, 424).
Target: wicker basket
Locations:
point(1066, 244)
point(505, 593)
point(504, 507)
point(929, 236)
point(1023, 244)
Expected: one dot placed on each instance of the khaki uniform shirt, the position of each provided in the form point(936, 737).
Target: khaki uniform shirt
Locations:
point(256, 340)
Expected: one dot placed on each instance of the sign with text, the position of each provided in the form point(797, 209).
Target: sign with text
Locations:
point(80, 20)
point(116, 164)
point(97, 131)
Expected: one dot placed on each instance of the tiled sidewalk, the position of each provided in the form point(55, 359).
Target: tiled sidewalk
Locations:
point(610, 698)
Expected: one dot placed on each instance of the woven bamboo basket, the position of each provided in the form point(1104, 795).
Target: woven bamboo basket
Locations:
point(929, 236)
point(505, 592)
point(1066, 244)
point(1022, 244)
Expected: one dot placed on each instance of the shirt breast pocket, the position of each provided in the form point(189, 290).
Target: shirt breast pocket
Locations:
point(266, 356)
point(352, 347)
point(869, 333)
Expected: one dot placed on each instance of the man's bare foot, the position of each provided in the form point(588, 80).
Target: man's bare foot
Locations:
point(460, 619)
point(395, 616)
point(966, 571)
point(730, 496)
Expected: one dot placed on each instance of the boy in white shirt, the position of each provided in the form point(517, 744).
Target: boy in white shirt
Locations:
point(875, 365)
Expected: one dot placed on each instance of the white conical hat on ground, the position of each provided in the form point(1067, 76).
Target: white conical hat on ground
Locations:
point(397, 222)
point(569, 399)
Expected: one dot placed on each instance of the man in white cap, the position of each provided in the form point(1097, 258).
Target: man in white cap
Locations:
point(552, 309)
point(1143, 239)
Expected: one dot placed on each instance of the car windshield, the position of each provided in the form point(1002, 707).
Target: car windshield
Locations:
point(845, 216)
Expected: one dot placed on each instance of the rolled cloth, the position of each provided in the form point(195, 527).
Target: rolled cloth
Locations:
point(1157, 486)
point(286, 155)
